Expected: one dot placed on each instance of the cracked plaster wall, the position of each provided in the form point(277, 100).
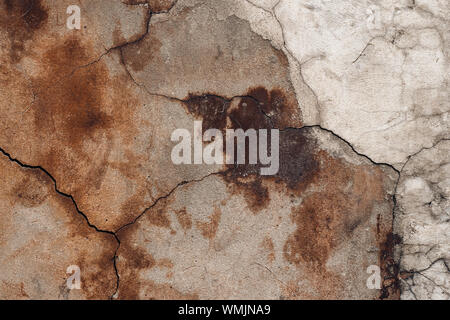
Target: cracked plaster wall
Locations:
point(359, 90)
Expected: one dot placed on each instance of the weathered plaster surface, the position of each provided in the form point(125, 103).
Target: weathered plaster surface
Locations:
point(358, 89)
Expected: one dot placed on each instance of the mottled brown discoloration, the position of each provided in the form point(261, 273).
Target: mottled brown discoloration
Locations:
point(89, 124)
point(209, 229)
point(85, 107)
point(184, 219)
point(74, 106)
point(32, 190)
point(22, 19)
point(253, 188)
point(326, 218)
point(53, 236)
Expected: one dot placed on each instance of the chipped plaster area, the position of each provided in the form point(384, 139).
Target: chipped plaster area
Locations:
point(359, 92)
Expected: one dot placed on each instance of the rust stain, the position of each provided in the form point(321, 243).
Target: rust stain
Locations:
point(327, 217)
point(390, 270)
point(259, 108)
point(184, 219)
point(75, 105)
point(211, 109)
point(22, 19)
point(98, 275)
point(209, 229)
point(345, 197)
point(79, 107)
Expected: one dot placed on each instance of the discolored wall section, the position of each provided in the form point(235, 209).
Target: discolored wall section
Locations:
point(87, 179)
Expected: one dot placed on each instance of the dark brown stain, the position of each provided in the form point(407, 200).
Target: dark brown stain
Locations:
point(276, 104)
point(259, 108)
point(212, 110)
point(390, 270)
point(389, 265)
point(21, 20)
point(298, 165)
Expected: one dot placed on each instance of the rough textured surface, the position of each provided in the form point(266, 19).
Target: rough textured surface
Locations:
point(42, 234)
point(359, 91)
point(423, 220)
point(308, 239)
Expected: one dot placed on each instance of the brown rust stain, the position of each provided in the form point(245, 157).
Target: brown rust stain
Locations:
point(97, 274)
point(73, 107)
point(297, 168)
point(259, 108)
point(79, 108)
point(328, 216)
point(21, 20)
point(276, 104)
point(161, 5)
point(390, 269)
point(211, 109)
point(184, 219)
point(344, 198)
point(389, 265)
point(209, 229)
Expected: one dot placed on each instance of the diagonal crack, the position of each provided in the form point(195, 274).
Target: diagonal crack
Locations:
point(65, 195)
